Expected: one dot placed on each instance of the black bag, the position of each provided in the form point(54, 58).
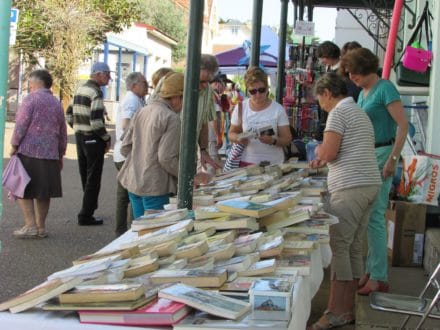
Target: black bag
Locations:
point(404, 76)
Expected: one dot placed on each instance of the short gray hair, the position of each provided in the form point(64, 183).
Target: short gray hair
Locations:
point(132, 79)
point(209, 63)
point(333, 82)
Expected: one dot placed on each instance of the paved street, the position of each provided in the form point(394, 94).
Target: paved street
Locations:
point(26, 263)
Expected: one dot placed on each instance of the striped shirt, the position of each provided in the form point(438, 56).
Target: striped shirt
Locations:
point(355, 164)
point(86, 114)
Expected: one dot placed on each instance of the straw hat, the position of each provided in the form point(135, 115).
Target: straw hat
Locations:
point(172, 85)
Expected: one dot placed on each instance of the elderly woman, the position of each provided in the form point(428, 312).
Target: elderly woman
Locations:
point(258, 112)
point(353, 184)
point(381, 102)
point(40, 141)
point(151, 146)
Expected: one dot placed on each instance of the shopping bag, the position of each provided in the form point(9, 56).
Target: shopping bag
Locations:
point(416, 59)
point(419, 182)
point(15, 177)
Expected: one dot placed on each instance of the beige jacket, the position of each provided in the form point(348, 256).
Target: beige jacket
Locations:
point(151, 146)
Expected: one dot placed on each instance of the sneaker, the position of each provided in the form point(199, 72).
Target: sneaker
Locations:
point(26, 232)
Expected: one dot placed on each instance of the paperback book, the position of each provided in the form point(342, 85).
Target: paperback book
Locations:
point(193, 277)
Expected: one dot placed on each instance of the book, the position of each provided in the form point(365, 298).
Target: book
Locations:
point(246, 208)
point(271, 299)
point(225, 224)
point(294, 263)
point(209, 212)
point(38, 291)
point(237, 264)
point(192, 250)
point(199, 235)
point(102, 293)
point(159, 312)
point(299, 247)
point(226, 236)
point(122, 254)
point(319, 238)
point(194, 277)
point(203, 300)
point(158, 219)
point(203, 263)
point(293, 216)
point(162, 249)
point(259, 268)
point(221, 252)
point(309, 227)
point(203, 200)
point(240, 286)
point(272, 247)
point(54, 305)
point(201, 320)
point(245, 244)
point(142, 265)
point(85, 268)
point(64, 285)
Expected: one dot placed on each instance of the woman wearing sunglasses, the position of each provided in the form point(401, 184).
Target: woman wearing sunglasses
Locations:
point(263, 117)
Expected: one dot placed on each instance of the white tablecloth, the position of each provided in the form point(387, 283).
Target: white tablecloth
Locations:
point(305, 288)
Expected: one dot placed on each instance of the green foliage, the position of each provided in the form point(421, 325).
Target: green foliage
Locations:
point(167, 18)
point(64, 32)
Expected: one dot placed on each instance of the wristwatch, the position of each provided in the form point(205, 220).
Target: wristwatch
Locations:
point(394, 158)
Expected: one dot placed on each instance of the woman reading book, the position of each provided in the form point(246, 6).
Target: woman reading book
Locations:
point(353, 184)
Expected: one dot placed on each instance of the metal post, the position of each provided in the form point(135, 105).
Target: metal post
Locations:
point(106, 51)
point(145, 65)
point(134, 62)
point(5, 18)
point(187, 161)
point(119, 72)
point(257, 15)
point(282, 50)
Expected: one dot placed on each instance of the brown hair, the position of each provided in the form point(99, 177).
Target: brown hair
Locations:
point(255, 74)
point(349, 46)
point(158, 74)
point(360, 61)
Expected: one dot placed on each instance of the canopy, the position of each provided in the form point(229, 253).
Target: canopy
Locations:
point(234, 57)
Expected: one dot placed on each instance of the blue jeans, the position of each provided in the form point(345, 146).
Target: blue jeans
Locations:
point(142, 203)
point(377, 259)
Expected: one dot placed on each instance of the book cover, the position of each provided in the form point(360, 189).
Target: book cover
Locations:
point(272, 287)
point(140, 266)
point(272, 247)
point(203, 263)
point(221, 252)
point(208, 212)
point(159, 312)
point(55, 305)
point(259, 268)
point(102, 293)
point(299, 262)
point(203, 300)
point(246, 208)
point(65, 285)
point(310, 227)
point(225, 224)
point(192, 250)
point(226, 236)
point(237, 264)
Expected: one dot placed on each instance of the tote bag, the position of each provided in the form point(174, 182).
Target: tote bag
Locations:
point(15, 178)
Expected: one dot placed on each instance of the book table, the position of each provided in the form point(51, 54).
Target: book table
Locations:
point(304, 290)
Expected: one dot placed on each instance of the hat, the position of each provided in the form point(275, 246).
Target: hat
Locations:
point(172, 85)
point(100, 67)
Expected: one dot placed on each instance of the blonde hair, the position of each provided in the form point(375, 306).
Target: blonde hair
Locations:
point(255, 74)
point(158, 74)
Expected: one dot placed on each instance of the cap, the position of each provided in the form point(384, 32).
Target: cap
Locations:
point(100, 67)
point(172, 85)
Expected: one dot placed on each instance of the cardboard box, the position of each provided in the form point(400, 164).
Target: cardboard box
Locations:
point(406, 230)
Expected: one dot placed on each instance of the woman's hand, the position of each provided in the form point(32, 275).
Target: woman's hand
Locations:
point(266, 139)
point(317, 163)
point(389, 168)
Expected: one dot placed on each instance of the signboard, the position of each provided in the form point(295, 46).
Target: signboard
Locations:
point(304, 28)
point(13, 26)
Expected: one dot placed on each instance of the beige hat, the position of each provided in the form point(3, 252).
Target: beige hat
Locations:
point(172, 85)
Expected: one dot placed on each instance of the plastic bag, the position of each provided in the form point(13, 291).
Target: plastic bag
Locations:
point(420, 176)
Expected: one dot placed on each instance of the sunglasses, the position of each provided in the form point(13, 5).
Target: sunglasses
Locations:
point(260, 90)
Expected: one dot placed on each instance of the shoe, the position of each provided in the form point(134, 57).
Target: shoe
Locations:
point(26, 232)
point(370, 287)
point(91, 222)
point(363, 280)
point(330, 320)
point(41, 233)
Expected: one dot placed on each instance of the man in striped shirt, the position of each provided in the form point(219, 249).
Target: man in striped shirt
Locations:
point(86, 116)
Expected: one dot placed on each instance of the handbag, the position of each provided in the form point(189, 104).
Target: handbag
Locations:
point(15, 178)
point(414, 69)
point(234, 155)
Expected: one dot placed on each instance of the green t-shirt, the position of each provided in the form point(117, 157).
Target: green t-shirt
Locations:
point(375, 105)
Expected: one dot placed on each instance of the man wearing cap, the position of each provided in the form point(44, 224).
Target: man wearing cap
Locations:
point(86, 116)
point(151, 148)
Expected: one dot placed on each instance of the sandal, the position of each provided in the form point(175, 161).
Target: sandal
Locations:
point(333, 321)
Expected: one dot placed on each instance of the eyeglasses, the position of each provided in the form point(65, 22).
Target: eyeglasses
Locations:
point(260, 90)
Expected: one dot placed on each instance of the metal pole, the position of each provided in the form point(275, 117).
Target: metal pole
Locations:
point(106, 52)
point(257, 15)
point(5, 18)
point(282, 50)
point(119, 72)
point(145, 65)
point(187, 161)
point(134, 62)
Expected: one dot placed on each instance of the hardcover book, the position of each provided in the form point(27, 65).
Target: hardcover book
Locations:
point(159, 312)
point(206, 301)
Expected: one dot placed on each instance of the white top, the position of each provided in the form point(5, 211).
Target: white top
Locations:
point(355, 164)
point(274, 115)
point(126, 110)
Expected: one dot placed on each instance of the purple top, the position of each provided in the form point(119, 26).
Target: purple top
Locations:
point(40, 128)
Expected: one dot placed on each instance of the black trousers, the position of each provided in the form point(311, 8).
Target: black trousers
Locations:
point(90, 150)
point(124, 214)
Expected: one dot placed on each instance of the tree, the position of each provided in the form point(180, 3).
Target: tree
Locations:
point(65, 32)
point(169, 19)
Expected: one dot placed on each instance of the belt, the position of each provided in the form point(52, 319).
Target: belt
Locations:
point(384, 144)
